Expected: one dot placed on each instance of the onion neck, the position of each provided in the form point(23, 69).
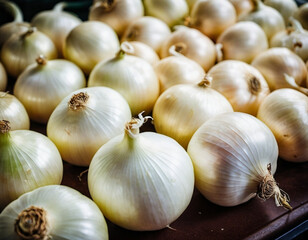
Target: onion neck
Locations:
point(32, 224)
point(206, 81)
point(78, 101)
point(295, 26)
point(105, 5)
point(13, 9)
point(125, 48)
point(268, 188)
point(41, 60)
point(29, 32)
point(291, 81)
point(258, 5)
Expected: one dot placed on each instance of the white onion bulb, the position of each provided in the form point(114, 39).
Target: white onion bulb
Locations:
point(242, 6)
point(235, 157)
point(212, 17)
point(12, 110)
point(242, 84)
point(242, 41)
point(116, 13)
point(171, 12)
point(183, 108)
point(302, 15)
point(56, 24)
point(89, 43)
point(284, 111)
point(141, 181)
point(192, 44)
point(149, 30)
point(53, 212)
point(44, 84)
point(28, 160)
point(3, 78)
point(85, 120)
point(131, 76)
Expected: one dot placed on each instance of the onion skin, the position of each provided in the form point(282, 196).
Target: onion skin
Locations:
point(3, 78)
point(284, 111)
point(242, 6)
point(302, 15)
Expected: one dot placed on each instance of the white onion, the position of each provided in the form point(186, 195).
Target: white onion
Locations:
point(235, 157)
point(85, 120)
point(302, 15)
point(3, 78)
point(53, 212)
point(242, 6)
point(28, 160)
point(141, 181)
point(12, 110)
point(284, 111)
point(44, 84)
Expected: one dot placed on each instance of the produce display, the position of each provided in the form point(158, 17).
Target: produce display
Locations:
point(149, 116)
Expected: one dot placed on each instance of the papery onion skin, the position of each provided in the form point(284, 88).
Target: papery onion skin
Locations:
point(12, 110)
point(284, 111)
point(183, 108)
point(3, 78)
point(116, 13)
point(21, 50)
point(79, 133)
point(131, 76)
point(89, 43)
point(141, 183)
point(230, 154)
point(192, 44)
point(242, 84)
point(28, 160)
point(80, 220)
point(274, 63)
point(43, 85)
point(243, 41)
point(212, 17)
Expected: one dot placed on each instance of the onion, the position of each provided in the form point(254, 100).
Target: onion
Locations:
point(242, 41)
point(192, 44)
point(131, 76)
point(56, 24)
point(89, 43)
point(212, 17)
point(44, 84)
point(28, 160)
point(183, 108)
point(143, 181)
point(12, 110)
point(149, 30)
point(284, 111)
point(242, 6)
point(242, 84)
point(116, 13)
point(172, 12)
point(21, 50)
point(277, 63)
point(48, 213)
point(3, 78)
point(235, 157)
point(85, 120)
point(302, 15)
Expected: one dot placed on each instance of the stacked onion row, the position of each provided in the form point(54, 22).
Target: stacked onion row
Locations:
point(224, 85)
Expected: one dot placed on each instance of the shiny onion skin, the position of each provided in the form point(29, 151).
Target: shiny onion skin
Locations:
point(3, 78)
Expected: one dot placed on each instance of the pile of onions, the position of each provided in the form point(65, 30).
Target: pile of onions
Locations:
point(131, 76)
point(235, 157)
point(28, 160)
point(56, 24)
point(242, 6)
point(149, 30)
point(302, 15)
point(48, 213)
point(141, 181)
point(172, 12)
point(294, 38)
point(85, 120)
point(12, 110)
point(45, 83)
point(192, 44)
point(242, 41)
point(183, 108)
point(212, 17)
point(281, 68)
point(287, 8)
point(242, 84)
point(22, 49)
point(89, 43)
point(15, 26)
point(3, 78)
point(116, 13)
point(284, 111)
point(268, 18)
point(177, 69)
